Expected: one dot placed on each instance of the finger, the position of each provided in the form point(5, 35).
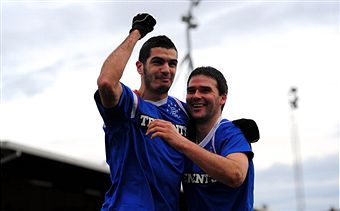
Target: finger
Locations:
point(153, 123)
point(156, 134)
point(152, 128)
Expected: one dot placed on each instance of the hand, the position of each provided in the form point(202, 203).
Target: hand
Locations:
point(144, 23)
point(165, 130)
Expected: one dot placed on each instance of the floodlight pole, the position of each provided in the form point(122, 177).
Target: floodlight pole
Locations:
point(191, 24)
point(298, 176)
point(189, 20)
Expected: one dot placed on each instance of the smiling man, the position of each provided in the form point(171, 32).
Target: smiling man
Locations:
point(219, 171)
point(145, 174)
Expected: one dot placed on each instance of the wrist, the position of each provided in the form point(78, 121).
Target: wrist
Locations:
point(135, 33)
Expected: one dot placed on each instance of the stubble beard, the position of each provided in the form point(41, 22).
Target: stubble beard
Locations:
point(160, 90)
point(202, 117)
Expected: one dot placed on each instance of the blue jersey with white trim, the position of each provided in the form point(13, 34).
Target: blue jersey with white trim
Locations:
point(202, 192)
point(145, 173)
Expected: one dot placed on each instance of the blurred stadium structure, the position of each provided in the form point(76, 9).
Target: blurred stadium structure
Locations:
point(37, 180)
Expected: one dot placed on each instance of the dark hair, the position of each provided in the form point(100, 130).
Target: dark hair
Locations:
point(211, 72)
point(161, 41)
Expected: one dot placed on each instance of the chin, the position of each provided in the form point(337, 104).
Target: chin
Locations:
point(199, 118)
point(163, 89)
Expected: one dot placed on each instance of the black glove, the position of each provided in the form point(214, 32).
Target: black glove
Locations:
point(144, 23)
point(249, 129)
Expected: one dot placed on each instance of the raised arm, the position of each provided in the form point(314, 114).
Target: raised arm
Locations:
point(112, 70)
point(230, 170)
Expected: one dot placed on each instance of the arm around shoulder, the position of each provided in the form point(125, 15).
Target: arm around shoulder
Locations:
point(230, 170)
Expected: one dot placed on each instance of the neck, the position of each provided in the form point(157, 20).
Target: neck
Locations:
point(151, 96)
point(204, 127)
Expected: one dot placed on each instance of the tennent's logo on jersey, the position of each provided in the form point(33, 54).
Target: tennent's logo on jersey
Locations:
point(145, 120)
point(198, 179)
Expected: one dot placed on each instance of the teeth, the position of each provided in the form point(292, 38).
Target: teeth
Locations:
point(197, 105)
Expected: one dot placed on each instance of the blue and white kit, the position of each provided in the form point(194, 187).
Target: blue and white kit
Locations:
point(205, 193)
point(145, 173)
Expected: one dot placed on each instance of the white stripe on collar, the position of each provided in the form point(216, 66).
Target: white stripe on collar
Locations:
point(158, 103)
point(211, 133)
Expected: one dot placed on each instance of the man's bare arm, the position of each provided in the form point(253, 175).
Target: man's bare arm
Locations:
point(112, 70)
point(230, 170)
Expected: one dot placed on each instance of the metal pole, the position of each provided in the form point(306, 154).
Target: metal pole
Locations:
point(298, 176)
point(191, 24)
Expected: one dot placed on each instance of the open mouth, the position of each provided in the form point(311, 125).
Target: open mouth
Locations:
point(197, 105)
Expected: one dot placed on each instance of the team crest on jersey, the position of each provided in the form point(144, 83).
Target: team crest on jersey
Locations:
point(173, 109)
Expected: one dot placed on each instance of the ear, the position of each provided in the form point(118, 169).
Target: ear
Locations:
point(223, 99)
point(139, 66)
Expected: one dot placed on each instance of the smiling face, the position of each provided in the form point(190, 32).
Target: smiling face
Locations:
point(203, 99)
point(159, 71)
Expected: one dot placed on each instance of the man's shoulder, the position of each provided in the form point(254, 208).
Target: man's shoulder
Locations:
point(227, 127)
point(225, 123)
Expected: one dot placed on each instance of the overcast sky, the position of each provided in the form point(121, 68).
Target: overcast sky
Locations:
point(52, 52)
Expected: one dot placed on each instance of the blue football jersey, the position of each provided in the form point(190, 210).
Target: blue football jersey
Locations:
point(203, 192)
point(145, 173)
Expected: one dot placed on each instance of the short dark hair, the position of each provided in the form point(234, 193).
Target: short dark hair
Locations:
point(211, 72)
point(161, 41)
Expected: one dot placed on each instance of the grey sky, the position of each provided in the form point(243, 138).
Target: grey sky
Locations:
point(30, 27)
point(321, 182)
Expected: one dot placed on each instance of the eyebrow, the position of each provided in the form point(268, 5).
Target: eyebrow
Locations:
point(199, 87)
point(167, 60)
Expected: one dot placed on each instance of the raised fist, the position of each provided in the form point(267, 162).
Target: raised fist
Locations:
point(144, 23)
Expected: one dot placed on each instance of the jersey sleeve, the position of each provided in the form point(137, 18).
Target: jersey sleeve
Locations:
point(232, 140)
point(124, 110)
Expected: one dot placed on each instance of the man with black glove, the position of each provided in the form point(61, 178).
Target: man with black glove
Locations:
point(145, 173)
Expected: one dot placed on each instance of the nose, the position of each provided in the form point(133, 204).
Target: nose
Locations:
point(165, 69)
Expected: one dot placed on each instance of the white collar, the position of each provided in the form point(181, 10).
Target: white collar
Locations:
point(158, 103)
point(211, 133)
